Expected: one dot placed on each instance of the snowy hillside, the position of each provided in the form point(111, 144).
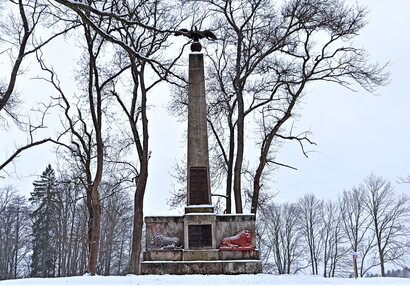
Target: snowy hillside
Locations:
point(219, 280)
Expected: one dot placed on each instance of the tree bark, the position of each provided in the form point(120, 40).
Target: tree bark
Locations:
point(230, 170)
point(143, 174)
point(94, 234)
point(137, 227)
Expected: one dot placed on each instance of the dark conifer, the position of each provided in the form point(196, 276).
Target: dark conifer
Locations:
point(44, 219)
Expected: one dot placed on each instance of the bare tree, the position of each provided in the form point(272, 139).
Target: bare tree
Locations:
point(404, 180)
point(307, 60)
point(311, 223)
point(356, 224)
point(18, 42)
point(15, 239)
point(389, 214)
point(116, 229)
point(335, 252)
point(282, 237)
point(85, 133)
point(18, 31)
point(140, 31)
point(265, 60)
point(149, 44)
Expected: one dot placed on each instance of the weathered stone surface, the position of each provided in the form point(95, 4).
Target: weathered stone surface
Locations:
point(202, 267)
point(199, 209)
point(239, 255)
point(163, 255)
point(171, 226)
point(198, 219)
point(200, 255)
point(222, 225)
point(198, 187)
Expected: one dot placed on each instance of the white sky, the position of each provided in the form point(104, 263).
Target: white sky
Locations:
point(356, 133)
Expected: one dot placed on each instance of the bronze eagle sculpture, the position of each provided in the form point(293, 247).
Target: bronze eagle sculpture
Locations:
point(195, 35)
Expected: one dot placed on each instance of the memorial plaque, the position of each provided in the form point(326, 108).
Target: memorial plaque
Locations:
point(199, 235)
point(198, 186)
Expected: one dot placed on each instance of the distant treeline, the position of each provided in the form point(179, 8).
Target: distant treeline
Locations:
point(403, 273)
point(319, 237)
point(46, 235)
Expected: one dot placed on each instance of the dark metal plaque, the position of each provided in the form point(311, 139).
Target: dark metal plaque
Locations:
point(199, 235)
point(198, 186)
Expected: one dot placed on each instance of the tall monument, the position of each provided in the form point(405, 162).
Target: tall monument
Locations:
point(200, 241)
point(199, 192)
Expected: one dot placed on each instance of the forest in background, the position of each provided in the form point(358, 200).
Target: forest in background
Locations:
point(46, 235)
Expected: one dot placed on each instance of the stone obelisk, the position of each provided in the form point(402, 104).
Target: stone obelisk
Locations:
point(199, 192)
point(198, 241)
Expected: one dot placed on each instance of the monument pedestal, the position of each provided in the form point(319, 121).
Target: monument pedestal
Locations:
point(202, 267)
point(202, 234)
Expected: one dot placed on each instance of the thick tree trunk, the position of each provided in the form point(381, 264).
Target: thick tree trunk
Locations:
point(94, 234)
point(256, 188)
point(381, 255)
point(138, 223)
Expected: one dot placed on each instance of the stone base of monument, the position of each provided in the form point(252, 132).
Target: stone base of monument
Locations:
point(208, 244)
point(202, 267)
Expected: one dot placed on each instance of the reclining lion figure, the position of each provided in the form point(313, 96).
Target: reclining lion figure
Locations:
point(163, 242)
point(242, 239)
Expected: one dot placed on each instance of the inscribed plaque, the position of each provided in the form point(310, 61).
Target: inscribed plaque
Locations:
point(199, 235)
point(198, 186)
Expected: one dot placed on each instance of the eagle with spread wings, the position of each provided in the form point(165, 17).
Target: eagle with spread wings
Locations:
point(195, 35)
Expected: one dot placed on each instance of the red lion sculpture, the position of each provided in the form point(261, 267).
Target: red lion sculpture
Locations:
point(242, 240)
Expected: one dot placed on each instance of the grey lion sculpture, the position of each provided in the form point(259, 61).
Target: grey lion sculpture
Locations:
point(162, 242)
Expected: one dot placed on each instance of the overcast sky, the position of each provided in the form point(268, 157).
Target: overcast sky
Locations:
point(356, 132)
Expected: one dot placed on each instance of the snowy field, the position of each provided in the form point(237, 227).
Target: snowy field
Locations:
point(218, 280)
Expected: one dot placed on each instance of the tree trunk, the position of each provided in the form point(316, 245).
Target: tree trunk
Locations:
point(266, 146)
point(381, 254)
point(230, 170)
point(142, 178)
point(256, 190)
point(94, 234)
point(138, 223)
point(239, 156)
point(17, 238)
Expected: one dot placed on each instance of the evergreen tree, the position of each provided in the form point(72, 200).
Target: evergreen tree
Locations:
point(44, 220)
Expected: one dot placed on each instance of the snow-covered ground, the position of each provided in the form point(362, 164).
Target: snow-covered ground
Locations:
point(217, 280)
